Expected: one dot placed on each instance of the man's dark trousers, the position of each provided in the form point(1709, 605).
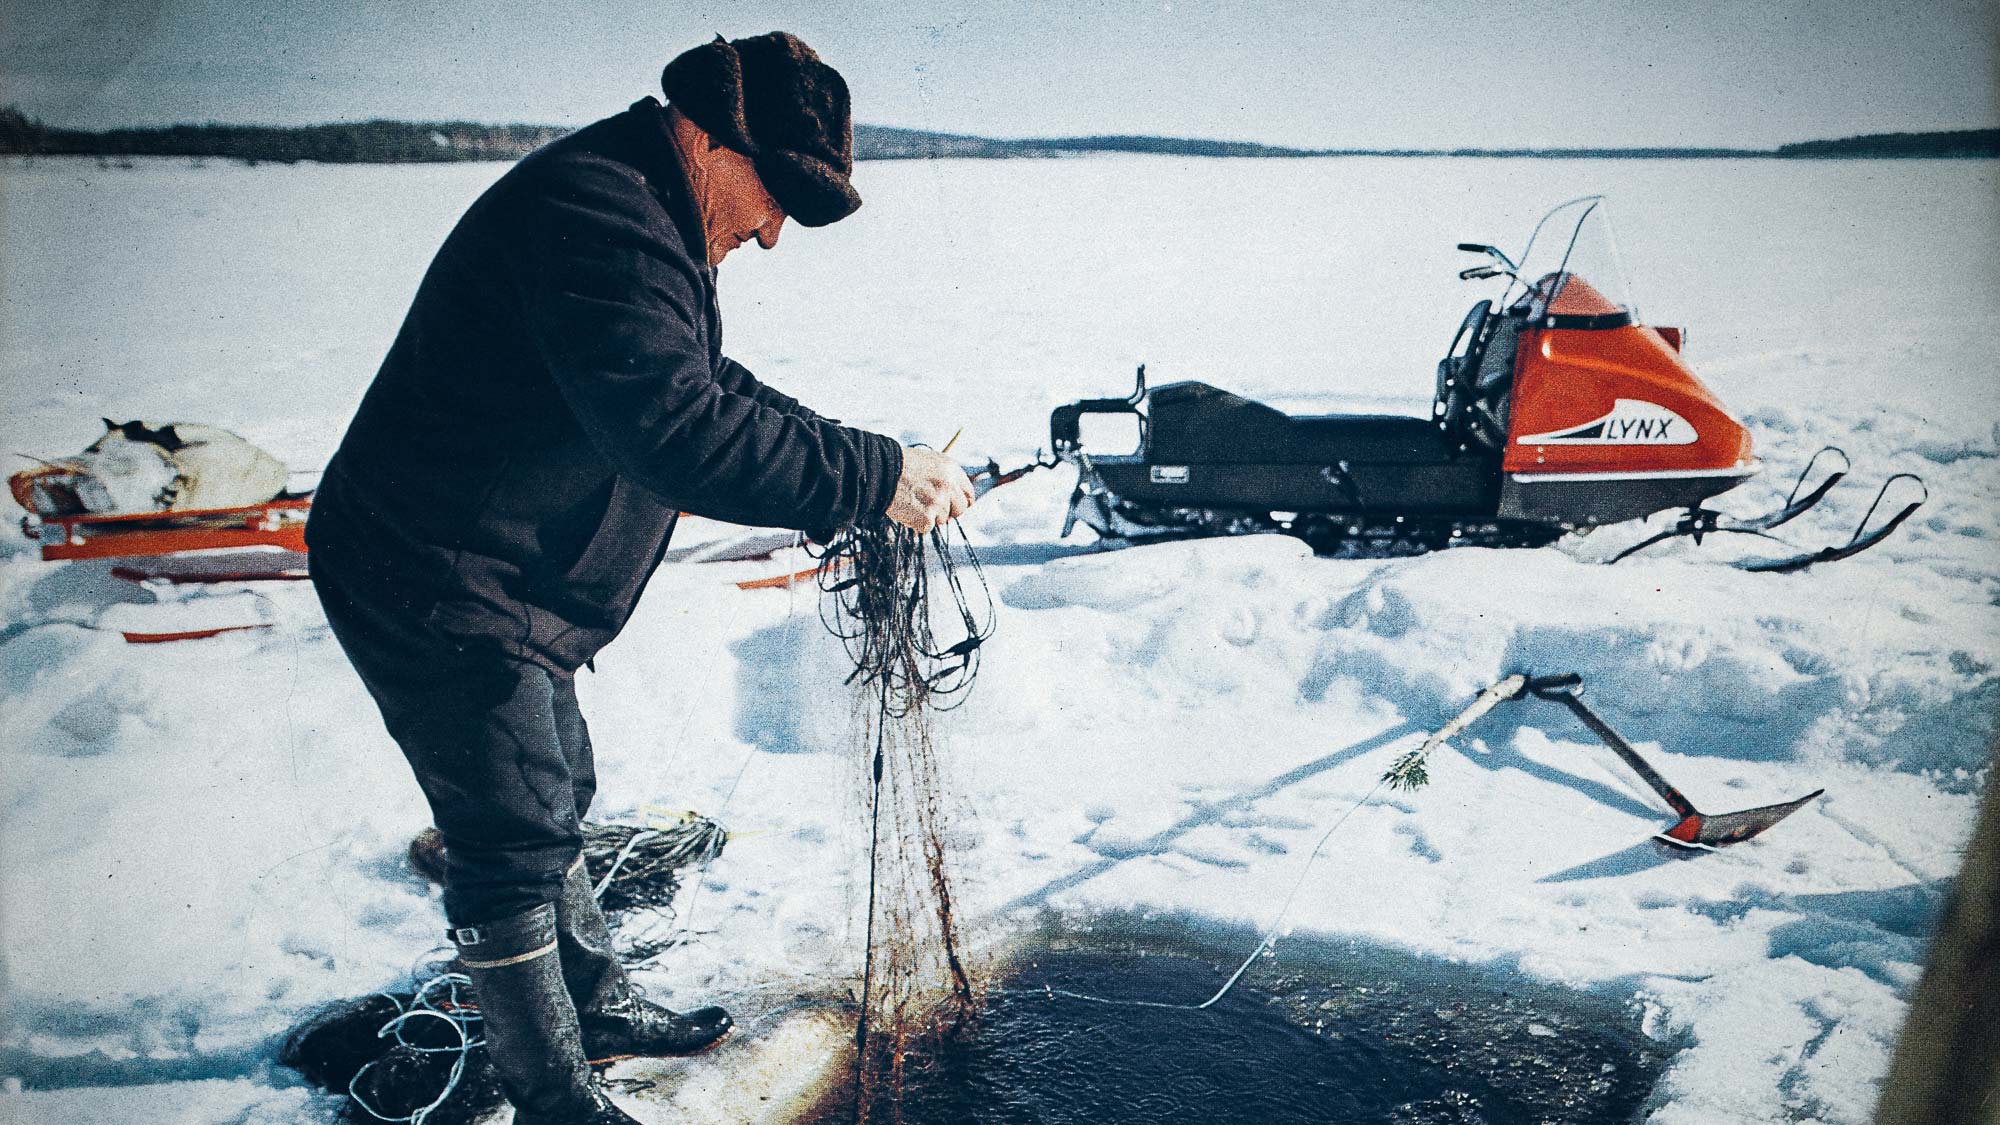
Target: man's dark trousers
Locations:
point(496, 742)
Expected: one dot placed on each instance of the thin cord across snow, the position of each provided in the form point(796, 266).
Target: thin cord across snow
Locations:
point(1269, 939)
point(1277, 924)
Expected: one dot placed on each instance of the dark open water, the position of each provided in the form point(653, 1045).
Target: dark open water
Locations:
point(1314, 1034)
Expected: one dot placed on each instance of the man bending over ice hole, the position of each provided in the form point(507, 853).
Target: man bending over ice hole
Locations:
point(556, 396)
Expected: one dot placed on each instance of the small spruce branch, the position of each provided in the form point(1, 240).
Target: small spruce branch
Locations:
point(1409, 774)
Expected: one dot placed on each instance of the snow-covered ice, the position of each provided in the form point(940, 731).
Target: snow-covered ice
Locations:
point(204, 840)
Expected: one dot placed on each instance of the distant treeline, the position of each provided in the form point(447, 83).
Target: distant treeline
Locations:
point(880, 142)
point(360, 142)
point(1957, 143)
point(408, 142)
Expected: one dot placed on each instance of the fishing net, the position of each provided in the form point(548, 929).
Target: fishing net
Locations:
point(912, 610)
point(632, 866)
point(636, 866)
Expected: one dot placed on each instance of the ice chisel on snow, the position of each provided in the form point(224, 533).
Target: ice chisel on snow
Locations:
point(1694, 829)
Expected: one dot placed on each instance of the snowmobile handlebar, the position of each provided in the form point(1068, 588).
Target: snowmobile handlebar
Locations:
point(1066, 422)
point(1500, 266)
point(1493, 252)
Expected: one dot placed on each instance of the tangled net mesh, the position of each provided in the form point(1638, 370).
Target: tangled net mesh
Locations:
point(631, 866)
point(638, 866)
point(912, 610)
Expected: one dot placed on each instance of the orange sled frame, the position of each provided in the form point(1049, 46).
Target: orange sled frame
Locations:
point(275, 523)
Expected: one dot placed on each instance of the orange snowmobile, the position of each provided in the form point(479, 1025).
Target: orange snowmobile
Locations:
point(1557, 410)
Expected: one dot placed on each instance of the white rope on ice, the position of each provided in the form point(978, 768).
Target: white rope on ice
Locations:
point(624, 854)
point(457, 1014)
point(1267, 941)
point(461, 1015)
point(1277, 924)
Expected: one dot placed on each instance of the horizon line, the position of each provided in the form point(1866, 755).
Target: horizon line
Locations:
point(1267, 148)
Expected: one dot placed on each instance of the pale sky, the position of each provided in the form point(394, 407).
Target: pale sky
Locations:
point(1446, 73)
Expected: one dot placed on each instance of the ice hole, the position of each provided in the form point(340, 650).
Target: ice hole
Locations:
point(1318, 1032)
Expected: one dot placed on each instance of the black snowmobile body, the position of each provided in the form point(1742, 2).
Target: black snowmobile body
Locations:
point(1211, 462)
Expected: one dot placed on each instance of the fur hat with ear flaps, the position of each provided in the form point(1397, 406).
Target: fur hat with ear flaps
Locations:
point(770, 98)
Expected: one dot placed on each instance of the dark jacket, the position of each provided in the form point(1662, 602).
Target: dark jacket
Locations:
point(556, 395)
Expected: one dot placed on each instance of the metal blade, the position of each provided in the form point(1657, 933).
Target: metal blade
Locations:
point(1722, 829)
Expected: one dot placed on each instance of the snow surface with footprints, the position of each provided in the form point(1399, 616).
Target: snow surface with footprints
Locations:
point(204, 840)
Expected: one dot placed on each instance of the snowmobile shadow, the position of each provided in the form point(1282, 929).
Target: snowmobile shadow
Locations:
point(1208, 812)
point(1642, 856)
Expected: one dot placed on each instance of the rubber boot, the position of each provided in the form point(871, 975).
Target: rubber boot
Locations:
point(529, 1021)
point(616, 1020)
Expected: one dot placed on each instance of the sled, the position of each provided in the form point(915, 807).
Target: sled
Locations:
point(787, 581)
point(276, 523)
point(1556, 410)
point(137, 638)
point(261, 564)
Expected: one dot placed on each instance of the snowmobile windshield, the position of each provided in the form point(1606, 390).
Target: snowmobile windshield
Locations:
point(1570, 268)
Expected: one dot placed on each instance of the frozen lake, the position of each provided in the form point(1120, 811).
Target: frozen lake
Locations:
point(981, 293)
point(204, 840)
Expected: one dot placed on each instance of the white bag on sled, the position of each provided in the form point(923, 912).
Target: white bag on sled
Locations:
point(134, 468)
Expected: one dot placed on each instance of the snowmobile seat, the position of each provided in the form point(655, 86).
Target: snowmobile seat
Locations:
point(1194, 423)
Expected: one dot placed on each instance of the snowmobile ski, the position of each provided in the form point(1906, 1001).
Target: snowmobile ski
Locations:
point(747, 545)
point(1699, 522)
point(211, 569)
point(1861, 540)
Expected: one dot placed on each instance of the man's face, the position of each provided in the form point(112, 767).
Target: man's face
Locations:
point(740, 210)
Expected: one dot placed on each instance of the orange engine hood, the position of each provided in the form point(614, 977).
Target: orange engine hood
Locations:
point(1615, 400)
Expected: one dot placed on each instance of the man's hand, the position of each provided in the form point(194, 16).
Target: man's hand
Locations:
point(931, 491)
